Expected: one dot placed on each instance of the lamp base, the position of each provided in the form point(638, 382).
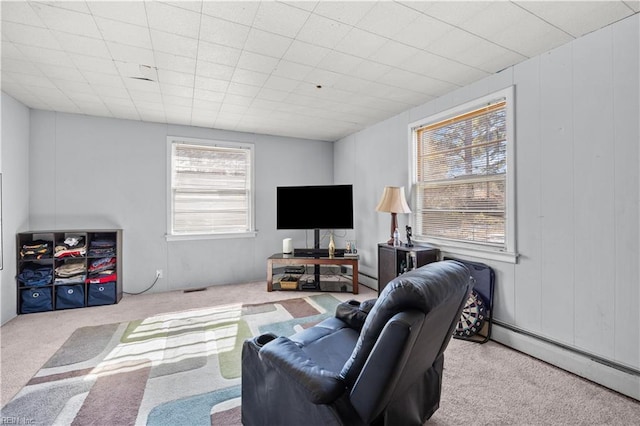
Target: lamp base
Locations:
point(394, 226)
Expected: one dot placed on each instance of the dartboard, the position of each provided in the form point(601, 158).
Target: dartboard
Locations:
point(472, 317)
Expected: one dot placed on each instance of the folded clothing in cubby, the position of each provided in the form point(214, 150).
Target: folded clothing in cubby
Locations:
point(35, 275)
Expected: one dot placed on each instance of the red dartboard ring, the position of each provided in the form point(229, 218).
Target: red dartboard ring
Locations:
point(472, 317)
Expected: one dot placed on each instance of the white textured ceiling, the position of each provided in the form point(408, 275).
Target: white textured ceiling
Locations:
point(256, 66)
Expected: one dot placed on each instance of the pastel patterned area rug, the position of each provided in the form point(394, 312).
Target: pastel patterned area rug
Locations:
point(179, 368)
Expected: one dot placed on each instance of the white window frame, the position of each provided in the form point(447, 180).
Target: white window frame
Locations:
point(170, 236)
point(508, 252)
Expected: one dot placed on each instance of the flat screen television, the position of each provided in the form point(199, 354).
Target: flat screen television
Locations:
point(314, 207)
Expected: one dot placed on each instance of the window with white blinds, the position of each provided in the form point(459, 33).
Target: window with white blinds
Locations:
point(461, 176)
point(211, 188)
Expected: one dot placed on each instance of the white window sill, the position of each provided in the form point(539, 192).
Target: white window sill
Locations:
point(190, 237)
point(451, 249)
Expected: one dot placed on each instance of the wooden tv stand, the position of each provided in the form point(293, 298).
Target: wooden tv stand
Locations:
point(291, 260)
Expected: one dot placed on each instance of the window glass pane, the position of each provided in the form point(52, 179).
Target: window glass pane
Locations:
point(481, 195)
point(462, 226)
point(210, 189)
point(207, 167)
point(461, 167)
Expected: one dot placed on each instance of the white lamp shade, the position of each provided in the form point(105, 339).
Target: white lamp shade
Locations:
point(393, 200)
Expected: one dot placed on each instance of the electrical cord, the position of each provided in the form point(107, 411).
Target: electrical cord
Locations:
point(323, 236)
point(344, 234)
point(146, 289)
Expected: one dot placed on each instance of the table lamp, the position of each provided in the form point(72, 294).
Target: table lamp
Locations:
point(393, 202)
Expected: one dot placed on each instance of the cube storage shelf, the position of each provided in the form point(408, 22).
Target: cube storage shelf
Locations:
point(68, 269)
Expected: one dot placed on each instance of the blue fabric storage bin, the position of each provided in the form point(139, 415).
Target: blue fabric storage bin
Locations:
point(69, 296)
point(102, 294)
point(35, 299)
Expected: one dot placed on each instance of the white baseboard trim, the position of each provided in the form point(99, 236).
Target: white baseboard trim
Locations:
point(367, 281)
point(620, 381)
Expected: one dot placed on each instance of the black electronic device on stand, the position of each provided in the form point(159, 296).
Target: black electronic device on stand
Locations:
point(333, 209)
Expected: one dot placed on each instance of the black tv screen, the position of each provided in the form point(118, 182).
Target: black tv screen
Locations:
point(314, 207)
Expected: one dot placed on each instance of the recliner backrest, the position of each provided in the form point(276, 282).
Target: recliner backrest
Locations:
point(425, 289)
point(376, 382)
point(432, 340)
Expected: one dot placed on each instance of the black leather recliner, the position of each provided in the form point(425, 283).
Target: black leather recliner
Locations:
point(378, 367)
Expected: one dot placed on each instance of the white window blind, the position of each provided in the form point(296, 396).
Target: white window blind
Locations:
point(461, 177)
point(211, 189)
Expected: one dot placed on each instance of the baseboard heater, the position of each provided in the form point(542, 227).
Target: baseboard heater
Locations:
point(612, 364)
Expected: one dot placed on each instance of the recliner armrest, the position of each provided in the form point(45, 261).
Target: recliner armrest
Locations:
point(320, 386)
point(354, 313)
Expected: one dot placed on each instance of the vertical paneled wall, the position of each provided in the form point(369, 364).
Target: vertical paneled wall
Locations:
point(593, 196)
point(530, 240)
point(625, 74)
point(625, 39)
point(557, 188)
point(577, 190)
point(93, 172)
point(14, 166)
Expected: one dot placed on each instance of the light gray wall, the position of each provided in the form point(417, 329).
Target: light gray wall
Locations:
point(14, 166)
point(91, 172)
point(372, 159)
point(577, 161)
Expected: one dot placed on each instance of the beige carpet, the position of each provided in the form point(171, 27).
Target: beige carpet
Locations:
point(483, 384)
point(28, 341)
point(179, 368)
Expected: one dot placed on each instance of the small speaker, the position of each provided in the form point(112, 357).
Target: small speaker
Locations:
point(287, 246)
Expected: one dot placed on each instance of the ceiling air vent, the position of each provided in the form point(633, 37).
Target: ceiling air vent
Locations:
point(147, 73)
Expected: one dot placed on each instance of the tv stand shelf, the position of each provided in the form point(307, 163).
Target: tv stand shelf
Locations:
point(329, 273)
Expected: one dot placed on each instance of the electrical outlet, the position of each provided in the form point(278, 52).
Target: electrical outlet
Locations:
point(158, 273)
